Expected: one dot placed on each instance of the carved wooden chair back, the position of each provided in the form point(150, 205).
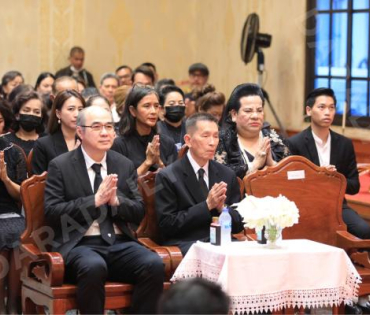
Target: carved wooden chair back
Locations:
point(317, 192)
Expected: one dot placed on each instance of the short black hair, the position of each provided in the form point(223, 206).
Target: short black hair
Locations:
point(311, 97)
point(20, 100)
point(149, 64)
point(164, 91)
point(199, 67)
point(144, 70)
point(123, 67)
point(164, 82)
point(76, 49)
point(43, 76)
point(194, 296)
point(242, 90)
point(191, 122)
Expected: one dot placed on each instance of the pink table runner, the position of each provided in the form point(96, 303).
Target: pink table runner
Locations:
point(300, 273)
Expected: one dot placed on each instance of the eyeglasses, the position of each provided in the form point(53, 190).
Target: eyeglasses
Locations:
point(99, 127)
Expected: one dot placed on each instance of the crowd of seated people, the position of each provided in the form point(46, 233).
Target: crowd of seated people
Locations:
point(142, 122)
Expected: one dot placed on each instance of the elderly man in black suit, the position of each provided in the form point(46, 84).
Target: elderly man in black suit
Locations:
point(91, 193)
point(325, 147)
point(194, 189)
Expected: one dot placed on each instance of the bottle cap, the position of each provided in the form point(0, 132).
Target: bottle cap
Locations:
point(215, 220)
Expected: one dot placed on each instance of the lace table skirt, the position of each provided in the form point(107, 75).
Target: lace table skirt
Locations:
point(300, 273)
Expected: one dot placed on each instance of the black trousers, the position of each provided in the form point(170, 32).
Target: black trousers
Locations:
point(92, 262)
point(355, 224)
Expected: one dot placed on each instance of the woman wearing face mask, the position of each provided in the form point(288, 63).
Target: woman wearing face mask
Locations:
point(171, 99)
point(138, 139)
point(247, 143)
point(29, 113)
point(62, 130)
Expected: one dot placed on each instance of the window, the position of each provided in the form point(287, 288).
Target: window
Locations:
point(337, 55)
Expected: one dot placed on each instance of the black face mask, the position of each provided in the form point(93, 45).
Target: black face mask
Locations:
point(29, 122)
point(174, 113)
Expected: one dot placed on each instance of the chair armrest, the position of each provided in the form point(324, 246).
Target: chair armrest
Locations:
point(171, 255)
point(347, 241)
point(44, 267)
point(147, 242)
point(351, 244)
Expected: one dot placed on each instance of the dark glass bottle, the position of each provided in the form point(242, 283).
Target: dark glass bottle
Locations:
point(261, 238)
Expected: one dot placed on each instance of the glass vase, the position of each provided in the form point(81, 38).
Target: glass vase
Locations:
point(272, 234)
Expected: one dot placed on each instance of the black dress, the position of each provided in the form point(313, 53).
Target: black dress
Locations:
point(26, 145)
point(229, 154)
point(175, 133)
point(12, 223)
point(134, 148)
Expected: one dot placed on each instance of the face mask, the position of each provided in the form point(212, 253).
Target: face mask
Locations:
point(29, 122)
point(174, 113)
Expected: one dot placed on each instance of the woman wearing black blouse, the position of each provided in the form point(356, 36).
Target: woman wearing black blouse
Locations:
point(138, 138)
point(30, 114)
point(62, 130)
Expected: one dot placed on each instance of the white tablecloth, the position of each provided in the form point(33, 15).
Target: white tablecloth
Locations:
point(299, 273)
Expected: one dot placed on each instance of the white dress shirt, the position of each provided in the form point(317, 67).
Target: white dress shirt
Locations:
point(94, 228)
point(323, 149)
point(196, 168)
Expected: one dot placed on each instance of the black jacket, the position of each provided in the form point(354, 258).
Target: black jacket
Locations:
point(46, 149)
point(342, 155)
point(70, 202)
point(182, 211)
point(85, 75)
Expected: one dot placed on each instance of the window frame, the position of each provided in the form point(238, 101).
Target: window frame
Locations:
point(351, 121)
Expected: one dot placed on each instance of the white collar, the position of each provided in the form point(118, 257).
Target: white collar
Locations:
point(89, 161)
point(319, 141)
point(196, 166)
point(75, 70)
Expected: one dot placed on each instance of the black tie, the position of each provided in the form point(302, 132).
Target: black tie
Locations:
point(202, 183)
point(106, 225)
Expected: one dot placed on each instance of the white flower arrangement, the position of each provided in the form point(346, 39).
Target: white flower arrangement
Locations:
point(268, 211)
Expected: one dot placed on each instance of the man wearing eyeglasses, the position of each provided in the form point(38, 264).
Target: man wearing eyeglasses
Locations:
point(91, 194)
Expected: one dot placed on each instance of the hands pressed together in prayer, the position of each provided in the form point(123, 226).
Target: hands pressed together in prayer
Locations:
point(263, 155)
point(107, 192)
point(3, 172)
point(217, 196)
point(153, 153)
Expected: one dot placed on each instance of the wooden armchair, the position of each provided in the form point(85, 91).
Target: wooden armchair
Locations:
point(29, 163)
point(184, 149)
point(147, 232)
point(318, 194)
point(43, 271)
